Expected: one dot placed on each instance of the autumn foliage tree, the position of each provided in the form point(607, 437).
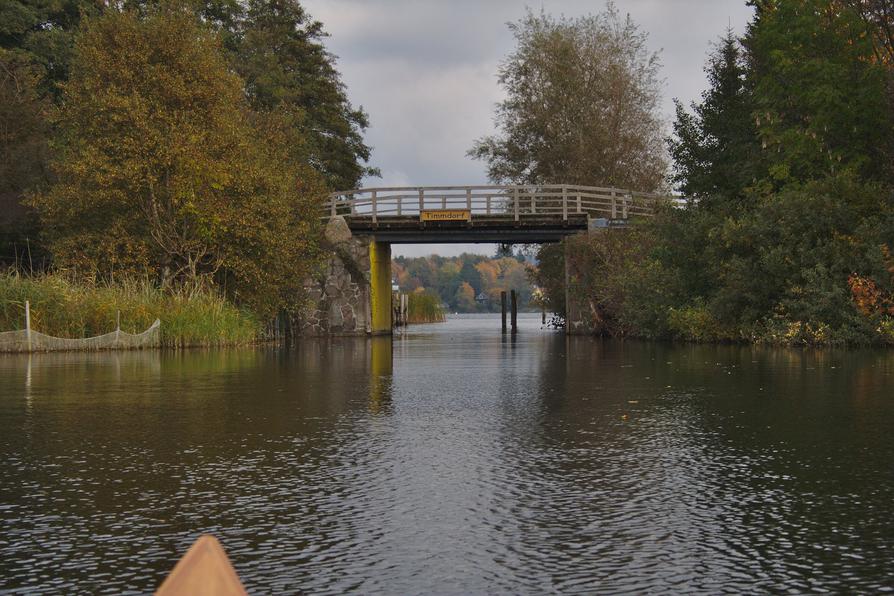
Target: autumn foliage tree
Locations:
point(164, 170)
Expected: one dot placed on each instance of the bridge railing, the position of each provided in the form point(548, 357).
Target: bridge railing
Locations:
point(509, 202)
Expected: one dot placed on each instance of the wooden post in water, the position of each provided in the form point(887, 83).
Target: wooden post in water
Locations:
point(503, 308)
point(514, 311)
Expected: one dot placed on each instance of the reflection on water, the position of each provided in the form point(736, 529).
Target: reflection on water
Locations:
point(453, 459)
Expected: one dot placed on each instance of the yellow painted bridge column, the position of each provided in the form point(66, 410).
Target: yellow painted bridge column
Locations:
point(380, 286)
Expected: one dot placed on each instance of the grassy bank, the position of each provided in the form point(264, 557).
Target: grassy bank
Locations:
point(62, 308)
point(424, 308)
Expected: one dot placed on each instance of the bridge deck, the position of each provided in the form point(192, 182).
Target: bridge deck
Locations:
point(480, 228)
point(528, 213)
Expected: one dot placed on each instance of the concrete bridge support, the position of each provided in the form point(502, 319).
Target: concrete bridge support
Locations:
point(380, 287)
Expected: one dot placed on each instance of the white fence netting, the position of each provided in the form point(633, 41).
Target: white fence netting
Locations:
point(24, 340)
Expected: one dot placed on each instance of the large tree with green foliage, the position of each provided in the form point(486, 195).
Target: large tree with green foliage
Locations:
point(43, 32)
point(715, 148)
point(36, 39)
point(280, 54)
point(819, 95)
point(24, 149)
point(581, 107)
point(164, 169)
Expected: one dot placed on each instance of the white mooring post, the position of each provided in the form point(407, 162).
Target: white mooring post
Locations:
point(28, 324)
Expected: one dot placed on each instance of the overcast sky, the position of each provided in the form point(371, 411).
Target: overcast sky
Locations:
point(425, 72)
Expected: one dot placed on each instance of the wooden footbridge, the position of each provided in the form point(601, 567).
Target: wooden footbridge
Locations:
point(438, 214)
point(486, 213)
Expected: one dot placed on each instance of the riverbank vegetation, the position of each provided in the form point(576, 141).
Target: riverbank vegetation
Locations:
point(186, 144)
point(424, 307)
point(468, 283)
point(786, 165)
point(63, 308)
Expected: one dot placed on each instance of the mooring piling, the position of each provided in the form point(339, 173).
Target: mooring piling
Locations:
point(503, 308)
point(514, 311)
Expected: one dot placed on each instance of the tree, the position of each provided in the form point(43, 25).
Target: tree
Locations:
point(36, 38)
point(581, 106)
point(163, 168)
point(549, 276)
point(820, 101)
point(43, 32)
point(879, 16)
point(468, 273)
point(715, 149)
point(24, 147)
point(465, 298)
point(280, 55)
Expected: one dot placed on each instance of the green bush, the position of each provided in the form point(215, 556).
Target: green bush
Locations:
point(695, 323)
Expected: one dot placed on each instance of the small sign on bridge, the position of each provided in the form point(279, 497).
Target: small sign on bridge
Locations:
point(446, 215)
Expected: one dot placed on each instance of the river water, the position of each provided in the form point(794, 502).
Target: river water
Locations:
point(453, 460)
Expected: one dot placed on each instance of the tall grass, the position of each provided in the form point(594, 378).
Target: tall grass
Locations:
point(424, 308)
point(63, 308)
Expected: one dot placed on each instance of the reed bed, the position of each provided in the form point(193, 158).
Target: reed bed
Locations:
point(63, 308)
point(425, 308)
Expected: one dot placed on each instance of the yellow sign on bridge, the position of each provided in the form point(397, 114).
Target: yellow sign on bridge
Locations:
point(447, 215)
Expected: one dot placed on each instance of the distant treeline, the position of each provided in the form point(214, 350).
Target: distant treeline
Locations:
point(467, 283)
